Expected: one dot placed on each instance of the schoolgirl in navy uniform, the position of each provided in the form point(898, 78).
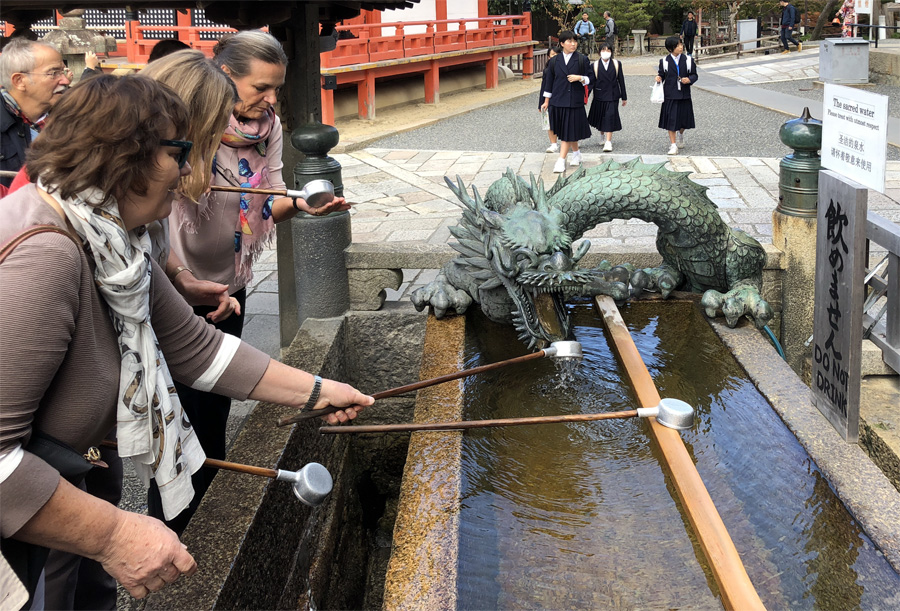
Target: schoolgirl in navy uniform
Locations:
point(569, 74)
point(609, 88)
point(677, 72)
point(545, 113)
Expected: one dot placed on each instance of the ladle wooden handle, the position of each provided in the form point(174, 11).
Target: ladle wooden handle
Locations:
point(227, 189)
point(475, 424)
point(415, 386)
point(218, 464)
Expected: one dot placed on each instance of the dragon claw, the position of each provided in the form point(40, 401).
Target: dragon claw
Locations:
point(742, 300)
point(442, 296)
point(663, 279)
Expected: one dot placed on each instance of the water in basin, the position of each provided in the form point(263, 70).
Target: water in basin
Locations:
point(582, 515)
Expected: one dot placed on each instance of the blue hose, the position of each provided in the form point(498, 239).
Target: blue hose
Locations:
point(774, 341)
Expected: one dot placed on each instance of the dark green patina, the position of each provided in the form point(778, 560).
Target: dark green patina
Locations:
point(516, 258)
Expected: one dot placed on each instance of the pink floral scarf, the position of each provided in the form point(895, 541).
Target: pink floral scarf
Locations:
point(255, 227)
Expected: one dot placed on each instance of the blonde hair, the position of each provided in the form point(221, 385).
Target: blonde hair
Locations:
point(210, 97)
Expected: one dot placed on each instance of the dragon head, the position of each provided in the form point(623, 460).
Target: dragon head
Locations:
point(524, 244)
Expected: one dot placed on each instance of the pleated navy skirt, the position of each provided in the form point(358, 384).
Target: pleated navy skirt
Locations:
point(569, 124)
point(604, 116)
point(676, 115)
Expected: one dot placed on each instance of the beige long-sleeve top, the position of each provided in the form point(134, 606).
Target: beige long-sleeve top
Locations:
point(59, 359)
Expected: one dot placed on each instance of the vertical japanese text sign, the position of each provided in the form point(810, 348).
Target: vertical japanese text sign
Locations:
point(840, 289)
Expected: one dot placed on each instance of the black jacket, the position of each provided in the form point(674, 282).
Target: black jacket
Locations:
point(563, 93)
point(689, 28)
point(15, 137)
point(789, 16)
point(670, 77)
point(608, 86)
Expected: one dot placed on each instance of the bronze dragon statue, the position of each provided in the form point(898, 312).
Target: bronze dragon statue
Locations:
point(516, 258)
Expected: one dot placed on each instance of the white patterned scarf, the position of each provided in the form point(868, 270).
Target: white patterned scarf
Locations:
point(151, 427)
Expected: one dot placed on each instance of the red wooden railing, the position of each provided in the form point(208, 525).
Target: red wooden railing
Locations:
point(370, 44)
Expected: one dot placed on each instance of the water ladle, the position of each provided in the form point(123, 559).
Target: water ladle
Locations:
point(317, 193)
point(671, 413)
point(311, 484)
point(564, 350)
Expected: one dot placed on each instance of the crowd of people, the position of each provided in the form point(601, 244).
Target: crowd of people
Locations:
point(570, 78)
point(122, 305)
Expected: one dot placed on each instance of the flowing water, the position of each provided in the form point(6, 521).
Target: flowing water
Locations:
point(582, 516)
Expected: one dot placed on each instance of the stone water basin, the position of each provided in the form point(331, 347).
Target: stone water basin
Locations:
point(584, 516)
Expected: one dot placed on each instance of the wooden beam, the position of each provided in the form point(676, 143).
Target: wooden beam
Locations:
point(734, 584)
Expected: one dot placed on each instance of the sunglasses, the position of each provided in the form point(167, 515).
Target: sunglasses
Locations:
point(184, 145)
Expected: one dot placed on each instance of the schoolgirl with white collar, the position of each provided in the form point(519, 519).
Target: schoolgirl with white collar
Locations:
point(568, 76)
point(677, 72)
point(609, 88)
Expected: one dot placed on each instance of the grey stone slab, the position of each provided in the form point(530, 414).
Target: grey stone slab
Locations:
point(263, 303)
point(262, 332)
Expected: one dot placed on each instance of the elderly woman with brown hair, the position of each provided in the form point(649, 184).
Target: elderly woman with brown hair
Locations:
point(94, 333)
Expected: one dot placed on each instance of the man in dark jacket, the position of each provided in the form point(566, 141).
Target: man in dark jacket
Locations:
point(32, 78)
point(688, 33)
point(789, 19)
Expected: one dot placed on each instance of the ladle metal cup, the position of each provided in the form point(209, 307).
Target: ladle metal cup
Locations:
point(311, 484)
point(317, 193)
point(671, 413)
point(570, 350)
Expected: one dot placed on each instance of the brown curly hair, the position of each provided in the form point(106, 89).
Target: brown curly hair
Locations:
point(104, 134)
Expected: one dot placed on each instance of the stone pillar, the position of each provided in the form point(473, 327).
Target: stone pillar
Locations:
point(73, 40)
point(794, 233)
point(638, 41)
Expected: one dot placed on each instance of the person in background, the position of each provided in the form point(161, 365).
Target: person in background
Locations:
point(585, 31)
point(789, 19)
point(689, 33)
point(568, 77)
point(165, 47)
point(33, 78)
point(101, 333)
point(220, 235)
point(677, 72)
point(545, 113)
point(846, 15)
point(609, 88)
point(610, 32)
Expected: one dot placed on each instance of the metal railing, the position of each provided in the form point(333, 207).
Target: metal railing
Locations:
point(881, 310)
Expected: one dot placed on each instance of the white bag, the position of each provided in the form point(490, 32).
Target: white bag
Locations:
point(657, 96)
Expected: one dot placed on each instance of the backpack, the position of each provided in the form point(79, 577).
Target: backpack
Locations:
point(615, 28)
point(665, 63)
point(615, 64)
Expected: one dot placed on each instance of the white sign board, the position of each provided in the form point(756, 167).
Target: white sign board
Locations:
point(864, 7)
point(854, 134)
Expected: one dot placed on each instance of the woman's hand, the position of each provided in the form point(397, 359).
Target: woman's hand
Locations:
point(624, 102)
point(338, 204)
point(91, 60)
point(546, 104)
point(206, 293)
point(574, 77)
point(343, 395)
point(685, 81)
point(143, 555)
point(658, 79)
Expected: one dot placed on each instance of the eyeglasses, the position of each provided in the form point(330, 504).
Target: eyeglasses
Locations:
point(53, 74)
point(184, 145)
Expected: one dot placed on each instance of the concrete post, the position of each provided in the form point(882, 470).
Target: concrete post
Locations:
point(638, 41)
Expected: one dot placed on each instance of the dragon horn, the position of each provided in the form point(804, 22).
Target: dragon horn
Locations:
point(540, 201)
point(459, 190)
point(479, 203)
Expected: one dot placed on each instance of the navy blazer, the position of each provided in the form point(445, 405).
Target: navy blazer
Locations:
point(608, 86)
point(545, 84)
point(563, 93)
point(670, 77)
point(15, 137)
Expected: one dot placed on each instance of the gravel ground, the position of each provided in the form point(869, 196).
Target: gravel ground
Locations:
point(515, 126)
point(805, 89)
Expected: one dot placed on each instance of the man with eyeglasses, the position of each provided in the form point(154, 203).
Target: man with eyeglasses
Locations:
point(32, 78)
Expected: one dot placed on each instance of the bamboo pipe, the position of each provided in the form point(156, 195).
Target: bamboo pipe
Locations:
point(227, 189)
point(737, 591)
point(568, 350)
point(475, 424)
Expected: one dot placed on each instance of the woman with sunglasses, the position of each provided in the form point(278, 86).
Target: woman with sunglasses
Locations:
point(94, 333)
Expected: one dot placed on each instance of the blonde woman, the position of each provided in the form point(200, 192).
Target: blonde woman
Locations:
point(209, 95)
